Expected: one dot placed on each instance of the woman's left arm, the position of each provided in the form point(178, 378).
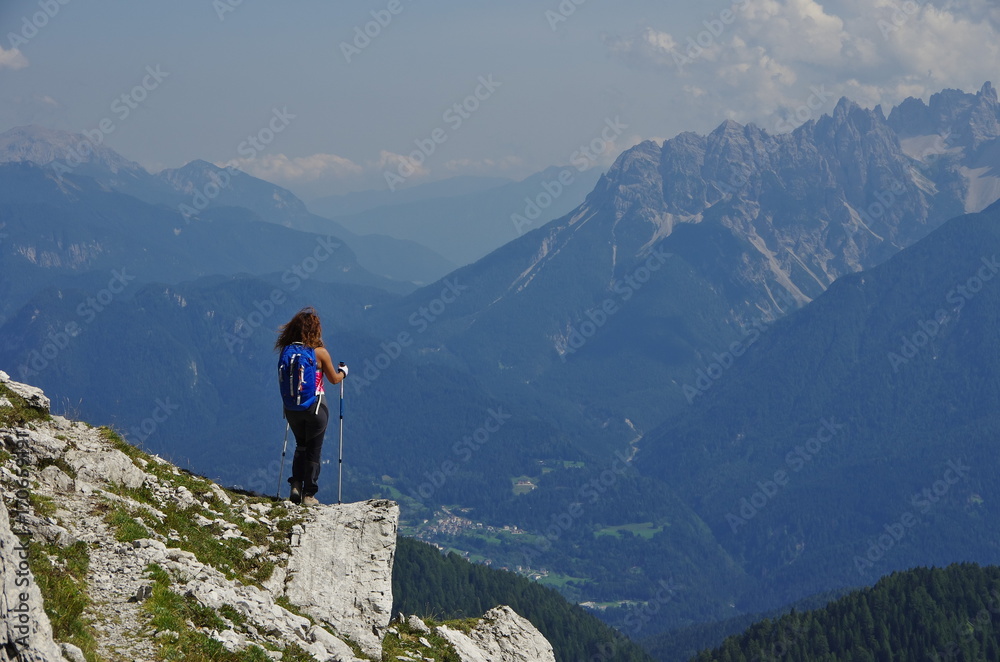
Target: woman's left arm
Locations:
point(326, 363)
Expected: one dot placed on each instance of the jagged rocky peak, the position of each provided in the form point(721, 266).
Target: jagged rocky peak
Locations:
point(132, 537)
point(965, 120)
point(44, 146)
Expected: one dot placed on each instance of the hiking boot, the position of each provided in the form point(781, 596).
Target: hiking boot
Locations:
point(296, 494)
point(310, 501)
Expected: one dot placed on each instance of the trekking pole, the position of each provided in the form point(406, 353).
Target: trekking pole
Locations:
point(340, 461)
point(281, 469)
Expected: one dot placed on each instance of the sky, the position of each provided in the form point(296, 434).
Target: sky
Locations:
point(331, 97)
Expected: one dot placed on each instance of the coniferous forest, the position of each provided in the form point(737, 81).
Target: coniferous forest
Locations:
point(921, 614)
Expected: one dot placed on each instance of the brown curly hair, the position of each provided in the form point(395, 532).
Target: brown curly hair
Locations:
point(304, 328)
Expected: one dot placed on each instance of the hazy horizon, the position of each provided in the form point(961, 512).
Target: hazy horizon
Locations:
point(425, 92)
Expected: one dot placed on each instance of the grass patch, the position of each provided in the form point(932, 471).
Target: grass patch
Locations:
point(181, 530)
point(407, 642)
point(42, 505)
point(295, 653)
point(18, 413)
point(126, 528)
point(193, 646)
point(523, 484)
point(644, 530)
point(283, 601)
point(558, 581)
point(61, 577)
point(233, 615)
point(170, 611)
point(118, 442)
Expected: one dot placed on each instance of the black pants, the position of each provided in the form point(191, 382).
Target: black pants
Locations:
point(309, 428)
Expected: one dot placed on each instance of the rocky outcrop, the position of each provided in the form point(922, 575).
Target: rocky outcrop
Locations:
point(340, 570)
point(25, 629)
point(34, 396)
point(333, 563)
point(501, 636)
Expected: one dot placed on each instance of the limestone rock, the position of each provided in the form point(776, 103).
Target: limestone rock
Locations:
point(341, 571)
point(106, 466)
point(25, 631)
point(36, 444)
point(33, 395)
point(55, 479)
point(501, 636)
point(72, 653)
point(334, 647)
point(416, 623)
point(43, 529)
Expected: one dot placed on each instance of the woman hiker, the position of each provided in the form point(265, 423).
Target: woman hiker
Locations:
point(304, 362)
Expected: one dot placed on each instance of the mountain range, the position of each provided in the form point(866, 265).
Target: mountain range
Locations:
point(612, 384)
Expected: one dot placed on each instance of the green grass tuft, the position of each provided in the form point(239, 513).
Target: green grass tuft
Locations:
point(18, 413)
point(408, 642)
point(42, 505)
point(126, 528)
point(61, 577)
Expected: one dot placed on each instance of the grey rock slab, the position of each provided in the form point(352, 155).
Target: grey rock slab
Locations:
point(501, 636)
point(417, 623)
point(56, 479)
point(341, 571)
point(107, 466)
point(72, 653)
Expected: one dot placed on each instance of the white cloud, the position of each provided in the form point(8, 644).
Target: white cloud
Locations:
point(12, 59)
point(764, 61)
point(406, 166)
point(279, 167)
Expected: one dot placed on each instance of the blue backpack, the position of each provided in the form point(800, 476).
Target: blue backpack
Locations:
point(297, 377)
